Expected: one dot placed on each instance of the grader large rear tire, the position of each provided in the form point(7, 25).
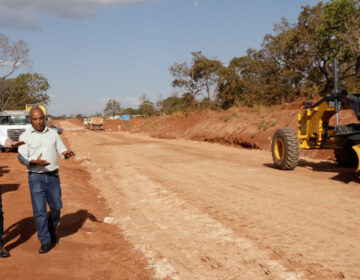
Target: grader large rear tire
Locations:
point(285, 149)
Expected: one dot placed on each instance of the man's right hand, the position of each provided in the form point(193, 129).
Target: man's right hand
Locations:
point(10, 144)
point(39, 161)
point(15, 144)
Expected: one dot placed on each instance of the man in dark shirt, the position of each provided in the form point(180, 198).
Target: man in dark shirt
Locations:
point(5, 142)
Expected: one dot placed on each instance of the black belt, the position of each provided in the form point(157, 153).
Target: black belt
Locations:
point(51, 172)
point(46, 172)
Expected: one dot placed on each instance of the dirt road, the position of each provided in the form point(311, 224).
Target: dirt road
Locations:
point(204, 211)
point(88, 248)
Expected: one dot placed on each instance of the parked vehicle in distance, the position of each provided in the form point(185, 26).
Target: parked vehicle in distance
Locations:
point(86, 121)
point(58, 129)
point(94, 123)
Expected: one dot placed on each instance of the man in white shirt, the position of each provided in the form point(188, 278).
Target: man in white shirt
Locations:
point(39, 155)
point(8, 143)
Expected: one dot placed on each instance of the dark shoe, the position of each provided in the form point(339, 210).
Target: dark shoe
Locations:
point(54, 239)
point(4, 253)
point(44, 248)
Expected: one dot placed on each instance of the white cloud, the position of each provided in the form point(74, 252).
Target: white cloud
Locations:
point(24, 14)
point(196, 4)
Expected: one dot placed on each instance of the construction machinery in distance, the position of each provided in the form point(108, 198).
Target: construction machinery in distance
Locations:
point(315, 132)
point(94, 123)
point(28, 107)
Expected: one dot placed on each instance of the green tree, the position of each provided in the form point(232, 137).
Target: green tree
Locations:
point(197, 79)
point(205, 72)
point(296, 60)
point(230, 85)
point(112, 108)
point(146, 107)
point(175, 103)
point(24, 89)
point(6, 89)
point(130, 111)
point(305, 51)
point(79, 117)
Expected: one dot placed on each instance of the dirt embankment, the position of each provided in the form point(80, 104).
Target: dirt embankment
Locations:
point(251, 128)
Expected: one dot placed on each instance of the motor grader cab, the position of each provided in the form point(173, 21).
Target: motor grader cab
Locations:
point(28, 107)
point(314, 131)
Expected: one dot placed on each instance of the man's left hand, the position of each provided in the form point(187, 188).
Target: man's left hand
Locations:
point(68, 154)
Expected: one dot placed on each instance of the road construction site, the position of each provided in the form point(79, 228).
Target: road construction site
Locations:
point(192, 210)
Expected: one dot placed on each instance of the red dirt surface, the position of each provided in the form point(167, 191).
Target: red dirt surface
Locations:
point(201, 211)
point(88, 248)
point(190, 210)
point(251, 128)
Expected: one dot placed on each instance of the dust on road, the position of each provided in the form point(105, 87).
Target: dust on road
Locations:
point(205, 211)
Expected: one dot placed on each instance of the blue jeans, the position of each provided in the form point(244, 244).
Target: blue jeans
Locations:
point(45, 188)
point(1, 223)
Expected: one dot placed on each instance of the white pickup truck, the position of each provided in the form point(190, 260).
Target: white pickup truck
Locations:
point(13, 123)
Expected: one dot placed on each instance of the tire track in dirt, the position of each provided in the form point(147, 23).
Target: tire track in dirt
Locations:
point(175, 237)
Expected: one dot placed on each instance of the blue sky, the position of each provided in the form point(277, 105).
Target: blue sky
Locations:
point(93, 50)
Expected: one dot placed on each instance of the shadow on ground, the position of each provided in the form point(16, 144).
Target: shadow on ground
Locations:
point(4, 188)
point(4, 170)
point(344, 175)
point(71, 223)
point(23, 230)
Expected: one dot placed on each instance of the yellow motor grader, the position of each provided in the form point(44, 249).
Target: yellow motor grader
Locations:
point(314, 131)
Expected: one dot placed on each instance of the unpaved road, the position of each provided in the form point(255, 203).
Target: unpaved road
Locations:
point(204, 211)
point(88, 248)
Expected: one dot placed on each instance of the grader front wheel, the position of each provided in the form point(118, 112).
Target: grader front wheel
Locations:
point(285, 149)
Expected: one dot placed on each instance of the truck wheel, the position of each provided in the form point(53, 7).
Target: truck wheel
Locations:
point(285, 149)
point(346, 156)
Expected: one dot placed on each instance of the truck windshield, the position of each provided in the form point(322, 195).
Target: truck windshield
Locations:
point(19, 119)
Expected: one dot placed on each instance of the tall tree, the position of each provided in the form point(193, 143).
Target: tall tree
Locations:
point(197, 79)
point(12, 56)
point(230, 86)
point(306, 50)
point(24, 89)
point(205, 72)
point(112, 108)
point(296, 60)
point(146, 107)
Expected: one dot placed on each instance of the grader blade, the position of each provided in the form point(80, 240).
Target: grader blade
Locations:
point(357, 151)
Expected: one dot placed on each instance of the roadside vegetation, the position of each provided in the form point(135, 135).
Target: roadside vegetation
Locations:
point(28, 88)
point(295, 61)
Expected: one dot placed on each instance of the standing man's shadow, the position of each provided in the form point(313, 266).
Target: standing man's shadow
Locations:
point(71, 223)
point(24, 229)
point(4, 170)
